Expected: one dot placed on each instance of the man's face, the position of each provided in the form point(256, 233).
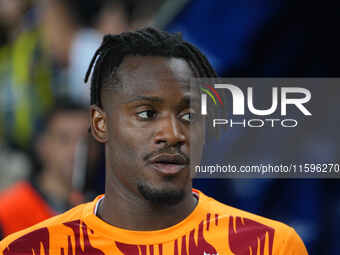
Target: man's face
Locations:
point(58, 145)
point(148, 122)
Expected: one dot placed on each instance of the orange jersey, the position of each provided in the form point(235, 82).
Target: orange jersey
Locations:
point(212, 228)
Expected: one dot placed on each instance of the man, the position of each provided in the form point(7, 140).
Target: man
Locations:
point(51, 190)
point(142, 110)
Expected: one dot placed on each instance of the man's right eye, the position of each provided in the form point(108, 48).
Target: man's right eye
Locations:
point(147, 114)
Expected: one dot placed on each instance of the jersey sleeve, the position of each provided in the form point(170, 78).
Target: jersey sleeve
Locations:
point(294, 245)
point(1, 247)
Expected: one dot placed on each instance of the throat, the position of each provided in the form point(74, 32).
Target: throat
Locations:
point(143, 218)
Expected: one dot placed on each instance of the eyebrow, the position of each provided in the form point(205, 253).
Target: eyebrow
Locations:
point(145, 98)
point(186, 100)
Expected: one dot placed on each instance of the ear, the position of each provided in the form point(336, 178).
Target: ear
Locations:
point(98, 124)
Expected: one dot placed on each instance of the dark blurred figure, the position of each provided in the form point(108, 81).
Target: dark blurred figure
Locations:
point(11, 19)
point(61, 151)
point(25, 73)
point(15, 19)
point(45, 47)
point(14, 166)
point(93, 20)
point(42, 50)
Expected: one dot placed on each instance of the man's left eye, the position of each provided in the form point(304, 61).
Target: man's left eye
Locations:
point(187, 117)
point(146, 114)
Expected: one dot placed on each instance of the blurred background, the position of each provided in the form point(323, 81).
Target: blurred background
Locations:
point(49, 163)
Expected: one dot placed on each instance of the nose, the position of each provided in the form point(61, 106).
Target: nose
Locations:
point(170, 131)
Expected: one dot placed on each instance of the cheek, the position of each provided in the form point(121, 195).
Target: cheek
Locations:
point(127, 144)
point(126, 152)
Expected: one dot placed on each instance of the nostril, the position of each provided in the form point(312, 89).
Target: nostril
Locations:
point(160, 141)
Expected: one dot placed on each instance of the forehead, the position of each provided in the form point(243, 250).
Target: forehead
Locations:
point(140, 73)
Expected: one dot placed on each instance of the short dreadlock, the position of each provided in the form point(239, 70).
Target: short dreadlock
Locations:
point(145, 42)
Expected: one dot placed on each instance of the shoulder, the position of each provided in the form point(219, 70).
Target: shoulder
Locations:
point(243, 226)
point(40, 232)
point(240, 217)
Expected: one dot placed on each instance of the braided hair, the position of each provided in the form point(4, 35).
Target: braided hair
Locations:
point(145, 42)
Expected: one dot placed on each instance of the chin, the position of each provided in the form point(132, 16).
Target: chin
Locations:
point(166, 195)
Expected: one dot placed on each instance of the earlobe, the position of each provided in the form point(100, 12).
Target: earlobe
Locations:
point(98, 124)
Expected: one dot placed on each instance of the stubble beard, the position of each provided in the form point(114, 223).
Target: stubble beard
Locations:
point(161, 196)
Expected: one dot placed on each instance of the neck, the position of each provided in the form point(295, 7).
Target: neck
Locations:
point(126, 210)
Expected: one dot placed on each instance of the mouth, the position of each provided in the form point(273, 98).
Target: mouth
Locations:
point(169, 164)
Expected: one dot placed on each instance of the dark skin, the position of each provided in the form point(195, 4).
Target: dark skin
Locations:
point(150, 114)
